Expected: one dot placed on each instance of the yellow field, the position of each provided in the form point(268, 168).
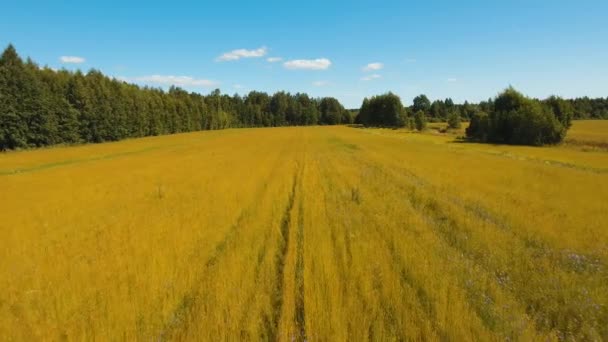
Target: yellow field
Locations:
point(590, 134)
point(319, 233)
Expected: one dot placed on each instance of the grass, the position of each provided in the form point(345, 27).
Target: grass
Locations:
point(589, 134)
point(319, 233)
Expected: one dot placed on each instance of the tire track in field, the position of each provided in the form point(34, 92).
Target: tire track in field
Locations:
point(406, 279)
point(272, 326)
point(487, 316)
point(342, 264)
point(443, 226)
point(262, 254)
point(291, 238)
point(187, 306)
point(300, 317)
point(458, 235)
point(413, 182)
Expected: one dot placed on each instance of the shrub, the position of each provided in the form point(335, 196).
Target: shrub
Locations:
point(454, 120)
point(420, 120)
point(411, 123)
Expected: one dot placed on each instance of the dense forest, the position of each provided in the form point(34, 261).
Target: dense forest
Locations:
point(40, 106)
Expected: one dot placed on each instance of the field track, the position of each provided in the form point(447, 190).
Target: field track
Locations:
point(317, 233)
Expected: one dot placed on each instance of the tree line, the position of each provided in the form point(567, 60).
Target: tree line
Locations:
point(510, 118)
point(41, 107)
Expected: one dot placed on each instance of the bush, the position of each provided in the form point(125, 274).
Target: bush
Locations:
point(454, 120)
point(411, 123)
point(478, 126)
point(518, 120)
point(420, 120)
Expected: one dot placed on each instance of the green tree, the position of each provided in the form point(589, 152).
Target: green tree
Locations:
point(382, 110)
point(479, 126)
point(330, 111)
point(437, 110)
point(562, 109)
point(421, 103)
point(454, 119)
point(279, 104)
point(516, 119)
point(13, 125)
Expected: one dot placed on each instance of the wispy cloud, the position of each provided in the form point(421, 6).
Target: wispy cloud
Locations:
point(242, 53)
point(71, 59)
point(452, 80)
point(238, 86)
point(181, 81)
point(308, 64)
point(274, 59)
point(410, 60)
point(371, 77)
point(373, 66)
point(320, 83)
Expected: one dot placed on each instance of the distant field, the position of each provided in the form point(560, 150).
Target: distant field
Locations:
point(589, 133)
point(317, 233)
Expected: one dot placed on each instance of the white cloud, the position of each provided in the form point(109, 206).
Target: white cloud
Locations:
point(410, 60)
point(238, 86)
point(181, 81)
point(71, 59)
point(371, 77)
point(274, 59)
point(320, 83)
point(452, 80)
point(373, 66)
point(242, 53)
point(308, 64)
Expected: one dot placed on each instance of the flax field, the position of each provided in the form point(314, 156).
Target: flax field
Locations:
point(306, 233)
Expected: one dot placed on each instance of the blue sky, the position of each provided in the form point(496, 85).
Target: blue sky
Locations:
point(459, 49)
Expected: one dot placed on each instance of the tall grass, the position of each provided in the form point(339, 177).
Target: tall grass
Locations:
point(319, 233)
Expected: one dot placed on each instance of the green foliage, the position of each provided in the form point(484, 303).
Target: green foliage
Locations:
point(586, 108)
point(420, 120)
point(421, 103)
point(12, 129)
point(331, 111)
point(454, 119)
point(439, 110)
point(479, 126)
point(411, 123)
point(516, 119)
point(382, 110)
point(562, 109)
point(348, 117)
point(40, 106)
